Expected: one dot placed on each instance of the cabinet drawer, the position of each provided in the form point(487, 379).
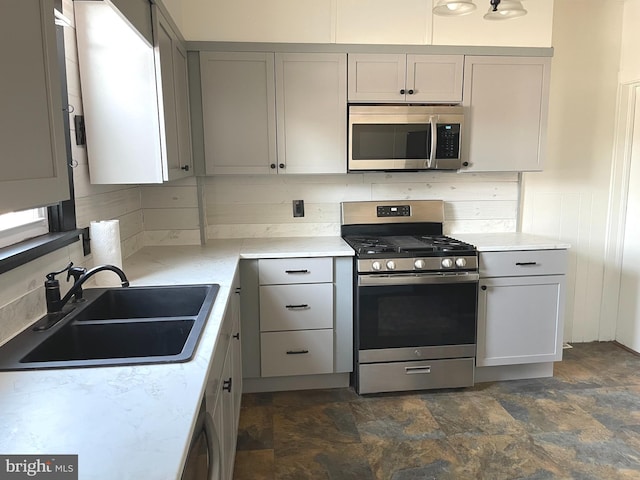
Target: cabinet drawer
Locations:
point(295, 270)
point(296, 353)
point(523, 263)
point(296, 307)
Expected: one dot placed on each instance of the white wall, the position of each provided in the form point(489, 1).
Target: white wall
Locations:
point(569, 200)
point(357, 21)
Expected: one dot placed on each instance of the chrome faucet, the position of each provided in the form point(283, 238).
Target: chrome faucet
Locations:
point(55, 304)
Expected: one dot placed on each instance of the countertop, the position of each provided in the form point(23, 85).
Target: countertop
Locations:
point(502, 242)
point(135, 422)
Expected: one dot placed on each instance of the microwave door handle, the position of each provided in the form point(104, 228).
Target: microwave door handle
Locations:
point(434, 140)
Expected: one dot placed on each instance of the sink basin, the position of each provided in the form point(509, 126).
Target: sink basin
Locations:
point(145, 303)
point(113, 340)
point(117, 326)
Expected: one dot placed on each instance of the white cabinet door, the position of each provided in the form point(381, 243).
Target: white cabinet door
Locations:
point(405, 78)
point(520, 320)
point(173, 99)
point(434, 78)
point(506, 100)
point(298, 352)
point(377, 77)
point(311, 95)
point(34, 170)
point(238, 101)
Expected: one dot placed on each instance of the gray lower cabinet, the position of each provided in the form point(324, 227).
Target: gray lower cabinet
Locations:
point(34, 171)
point(224, 387)
point(521, 307)
point(297, 316)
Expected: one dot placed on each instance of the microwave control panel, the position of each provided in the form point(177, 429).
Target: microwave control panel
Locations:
point(448, 141)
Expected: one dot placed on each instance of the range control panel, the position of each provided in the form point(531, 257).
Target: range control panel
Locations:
point(394, 211)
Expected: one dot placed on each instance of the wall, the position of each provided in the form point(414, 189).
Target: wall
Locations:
point(569, 199)
point(258, 206)
point(356, 21)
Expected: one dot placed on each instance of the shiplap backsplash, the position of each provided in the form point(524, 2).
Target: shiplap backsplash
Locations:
point(260, 206)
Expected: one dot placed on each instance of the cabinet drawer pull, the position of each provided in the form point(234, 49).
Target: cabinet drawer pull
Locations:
point(417, 370)
point(297, 271)
point(302, 306)
point(524, 264)
point(297, 352)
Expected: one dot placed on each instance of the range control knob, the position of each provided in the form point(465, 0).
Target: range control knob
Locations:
point(461, 262)
point(391, 265)
point(447, 263)
point(419, 264)
point(376, 266)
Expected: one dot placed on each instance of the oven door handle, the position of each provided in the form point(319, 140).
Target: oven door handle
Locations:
point(413, 279)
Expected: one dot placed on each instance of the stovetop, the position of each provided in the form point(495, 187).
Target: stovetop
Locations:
point(400, 246)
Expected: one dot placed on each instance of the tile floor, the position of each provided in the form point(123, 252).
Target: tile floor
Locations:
point(584, 423)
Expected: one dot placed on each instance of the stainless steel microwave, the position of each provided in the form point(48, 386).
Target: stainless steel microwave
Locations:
point(407, 137)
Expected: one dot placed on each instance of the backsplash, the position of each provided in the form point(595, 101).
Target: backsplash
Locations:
point(260, 206)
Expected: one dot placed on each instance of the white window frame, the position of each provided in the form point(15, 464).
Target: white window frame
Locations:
point(18, 226)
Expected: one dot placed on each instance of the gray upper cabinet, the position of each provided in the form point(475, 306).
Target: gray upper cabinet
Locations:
point(405, 78)
point(311, 106)
point(34, 171)
point(238, 103)
point(506, 100)
point(135, 93)
point(173, 84)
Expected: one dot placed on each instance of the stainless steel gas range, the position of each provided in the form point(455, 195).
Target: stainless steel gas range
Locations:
point(415, 297)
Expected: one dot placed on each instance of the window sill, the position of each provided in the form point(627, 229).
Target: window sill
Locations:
point(24, 252)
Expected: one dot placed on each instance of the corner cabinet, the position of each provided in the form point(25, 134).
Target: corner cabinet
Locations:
point(274, 113)
point(405, 78)
point(34, 166)
point(521, 307)
point(506, 102)
point(135, 93)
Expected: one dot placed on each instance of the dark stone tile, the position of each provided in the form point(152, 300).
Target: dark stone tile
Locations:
point(590, 454)
point(503, 457)
point(547, 412)
point(329, 461)
point(403, 460)
point(256, 399)
point(255, 428)
point(472, 414)
point(308, 426)
point(397, 418)
point(254, 465)
point(614, 407)
point(314, 397)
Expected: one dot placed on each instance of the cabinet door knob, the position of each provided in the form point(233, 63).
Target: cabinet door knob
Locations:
point(185, 168)
point(483, 287)
point(410, 92)
point(402, 91)
point(465, 164)
point(281, 165)
point(273, 166)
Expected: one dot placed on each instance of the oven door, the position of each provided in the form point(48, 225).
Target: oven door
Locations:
point(408, 317)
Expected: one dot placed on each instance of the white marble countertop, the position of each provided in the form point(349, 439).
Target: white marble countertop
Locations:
point(135, 422)
point(507, 241)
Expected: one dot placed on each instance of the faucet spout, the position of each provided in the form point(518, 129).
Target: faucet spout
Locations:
point(76, 290)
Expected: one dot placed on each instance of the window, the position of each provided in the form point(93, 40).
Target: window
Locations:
point(18, 226)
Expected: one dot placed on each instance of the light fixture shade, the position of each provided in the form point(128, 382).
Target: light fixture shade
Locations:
point(450, 8)
point(505, 10)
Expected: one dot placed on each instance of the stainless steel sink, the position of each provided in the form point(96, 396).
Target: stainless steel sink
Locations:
point(117, 326)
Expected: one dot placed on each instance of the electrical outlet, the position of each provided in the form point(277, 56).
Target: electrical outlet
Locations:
point(298, 208)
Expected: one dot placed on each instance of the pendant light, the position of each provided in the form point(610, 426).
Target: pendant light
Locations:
point(504, 10)
point(452, 8)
